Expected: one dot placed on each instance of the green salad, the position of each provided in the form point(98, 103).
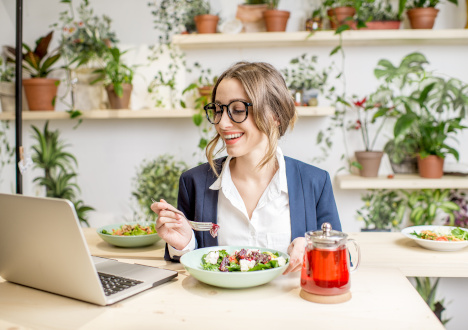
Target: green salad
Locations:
point(132, 230)
point(241, 261)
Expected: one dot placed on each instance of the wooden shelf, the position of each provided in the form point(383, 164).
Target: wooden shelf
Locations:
point(401, 181)
point(322, 38)
point(141, 114)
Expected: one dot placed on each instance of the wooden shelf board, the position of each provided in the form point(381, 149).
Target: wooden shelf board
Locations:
point(322, 38)
point(401, 181)
point(141, 114)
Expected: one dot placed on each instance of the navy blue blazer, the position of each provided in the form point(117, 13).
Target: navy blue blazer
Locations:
point(311, 200)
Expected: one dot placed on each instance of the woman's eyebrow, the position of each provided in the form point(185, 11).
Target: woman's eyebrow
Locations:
point(232, 100)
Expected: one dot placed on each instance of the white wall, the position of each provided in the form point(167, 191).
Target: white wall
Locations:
point(109, 151)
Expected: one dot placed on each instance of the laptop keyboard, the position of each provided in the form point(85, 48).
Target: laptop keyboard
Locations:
point(114, 284)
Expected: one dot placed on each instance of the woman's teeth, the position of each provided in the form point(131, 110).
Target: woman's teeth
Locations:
point(233, 136)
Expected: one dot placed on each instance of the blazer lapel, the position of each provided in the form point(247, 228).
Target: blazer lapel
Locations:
point(296, 199)
point(210, 205)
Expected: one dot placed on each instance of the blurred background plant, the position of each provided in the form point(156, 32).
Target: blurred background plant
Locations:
point(7, 71)
point(59, 176)
point(201, 89)
point(460, 215)
point(157, 178)
point(85, 36)
point(378, 11)
point(304, 76)
point(382, 209)
point(7, 149)
point(427, 288)
point(426, 204)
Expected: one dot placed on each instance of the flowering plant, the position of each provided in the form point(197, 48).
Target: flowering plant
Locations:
point(85, 37)
point(460, 218)
point(368, 111)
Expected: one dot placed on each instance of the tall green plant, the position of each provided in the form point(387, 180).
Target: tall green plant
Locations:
point(59, 176)
point(7, 150)
point(157, 178)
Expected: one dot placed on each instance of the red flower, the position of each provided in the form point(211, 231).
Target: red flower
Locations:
point(360, 103)
point(358, 125)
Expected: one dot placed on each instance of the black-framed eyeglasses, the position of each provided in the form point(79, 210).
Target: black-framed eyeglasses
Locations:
point(237, 110)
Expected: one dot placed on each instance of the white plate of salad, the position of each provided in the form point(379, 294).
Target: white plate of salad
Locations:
point(438, 238)
point(235, 267)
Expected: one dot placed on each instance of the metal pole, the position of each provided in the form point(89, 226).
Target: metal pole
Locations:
point(19, 93)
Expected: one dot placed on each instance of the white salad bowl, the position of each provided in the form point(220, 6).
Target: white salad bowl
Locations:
point(434, 245)
point(192, 262)
point(127, 241)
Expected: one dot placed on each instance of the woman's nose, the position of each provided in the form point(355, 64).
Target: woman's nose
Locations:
point(225, 120)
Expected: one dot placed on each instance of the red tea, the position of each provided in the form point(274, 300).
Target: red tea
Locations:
point(325, 272)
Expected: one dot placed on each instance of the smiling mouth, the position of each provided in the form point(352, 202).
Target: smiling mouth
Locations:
point(233, 136)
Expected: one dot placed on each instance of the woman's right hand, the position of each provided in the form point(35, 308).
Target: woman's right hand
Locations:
point(171, 226)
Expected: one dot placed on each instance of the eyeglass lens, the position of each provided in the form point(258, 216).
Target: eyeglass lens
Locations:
point(237, 111)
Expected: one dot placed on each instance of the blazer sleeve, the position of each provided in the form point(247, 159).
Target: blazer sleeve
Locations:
point(326, 206)
point(183, 204)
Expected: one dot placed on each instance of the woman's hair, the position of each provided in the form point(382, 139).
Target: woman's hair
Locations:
point(273, 107)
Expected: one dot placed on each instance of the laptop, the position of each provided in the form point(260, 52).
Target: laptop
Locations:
point(43, 247)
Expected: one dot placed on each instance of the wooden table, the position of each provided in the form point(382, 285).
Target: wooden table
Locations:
point(383, 298)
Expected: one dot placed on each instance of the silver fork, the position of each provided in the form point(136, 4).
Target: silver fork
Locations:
point(199, 226)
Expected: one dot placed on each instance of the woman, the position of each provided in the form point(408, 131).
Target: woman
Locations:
point(257, 196)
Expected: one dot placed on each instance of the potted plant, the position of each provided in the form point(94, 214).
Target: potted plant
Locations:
point(426, 204)
point(402, 153)
point(84, 39)
point(427, 106)
point(49, 155)
point(305, 80)
point(117, 78)
point(40, 91)
point(275, 19)
point(378, 16)
point(339, 11)
point(421, 13)
point(157, 178)
point(382, 210)
point(200, 12)
point(369, 112)
point(315, 21)
point(431, 135)
point(250, 13)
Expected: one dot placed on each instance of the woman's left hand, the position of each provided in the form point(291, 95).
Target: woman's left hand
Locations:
point(296, 255)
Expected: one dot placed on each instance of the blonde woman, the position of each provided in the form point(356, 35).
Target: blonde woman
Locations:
point(257, 196)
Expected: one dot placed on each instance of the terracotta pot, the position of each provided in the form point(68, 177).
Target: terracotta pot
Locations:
point(251, 17)
point(206, 23)
point(422, 18)
point(431, 167)
point(382, 25)
point(338, 16)
point(41, 93)
point(7, 97)
point(370, 162)
point(276, 20)
point(85, 95)
point(119, 102)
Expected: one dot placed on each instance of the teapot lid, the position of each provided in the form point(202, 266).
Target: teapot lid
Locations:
point(327, 235)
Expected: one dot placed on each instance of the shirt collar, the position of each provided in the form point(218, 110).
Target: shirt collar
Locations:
point(279, 179)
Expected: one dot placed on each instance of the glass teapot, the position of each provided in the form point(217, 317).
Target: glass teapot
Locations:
point(326, 266)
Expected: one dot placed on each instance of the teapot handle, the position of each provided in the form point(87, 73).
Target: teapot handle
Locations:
point(359, 254)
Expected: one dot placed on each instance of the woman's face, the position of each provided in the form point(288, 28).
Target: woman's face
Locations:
point(244, 139)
